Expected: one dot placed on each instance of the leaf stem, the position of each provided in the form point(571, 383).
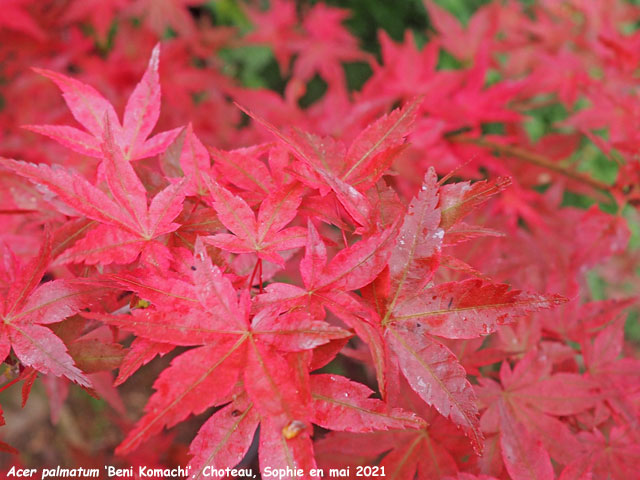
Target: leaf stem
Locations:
point(253, 274)
point(344, 239)
point(12, 382)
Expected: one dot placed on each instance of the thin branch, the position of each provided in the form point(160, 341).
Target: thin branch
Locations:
point(532, 158)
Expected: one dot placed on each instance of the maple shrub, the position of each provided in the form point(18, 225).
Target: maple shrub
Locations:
point(288, 236)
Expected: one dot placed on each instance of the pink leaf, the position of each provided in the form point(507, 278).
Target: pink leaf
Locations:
point(224, 439)
point(342, 405)
point(435, 374)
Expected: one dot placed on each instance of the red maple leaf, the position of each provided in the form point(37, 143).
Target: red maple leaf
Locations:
point(410, 315)
point(29, 306)
point(328, 165)
point(126, 224)
point(525, 410)
point(265, 235)
point(92, 110)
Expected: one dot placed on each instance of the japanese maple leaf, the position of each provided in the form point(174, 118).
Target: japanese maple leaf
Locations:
point(328, 284)
point(207, 313)
point(263, 351)
point(91, 109)
point(463, 43)
point(419, 454)
point(411, 313)
point(408, 71)
point(337, 404)
point(473, 103)
point(265, 235)
point(525, 410)
point(28, 306)
point(429, 451)
point(243, 168)
point(329, 165)
point(602, 236)
point(617, 377)
point(127, 225)
point(615, 455)
point(327, 44)
point(276, 27)
point(160, 15)
point(16, 18)
point(100, 14)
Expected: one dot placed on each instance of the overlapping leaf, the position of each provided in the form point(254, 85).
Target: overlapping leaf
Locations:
point(128, 224)
point(91, 109)
point(28, 307)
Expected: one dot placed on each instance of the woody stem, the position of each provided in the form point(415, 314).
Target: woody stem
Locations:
point(532, 158)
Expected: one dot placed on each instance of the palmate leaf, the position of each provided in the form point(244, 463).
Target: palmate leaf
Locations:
point(615, 455)
point(367, 159)
point(350, 269)
point(128, 226)
point(410, 313)
point(526, 410)
point(419, 456)
point(329, 286)
point(207, 313)
point(92, 110)
point(429, 452)
point(27, 307)
point(463, 43)
point(431, 369)
point(264, 362)
point(265, 235)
